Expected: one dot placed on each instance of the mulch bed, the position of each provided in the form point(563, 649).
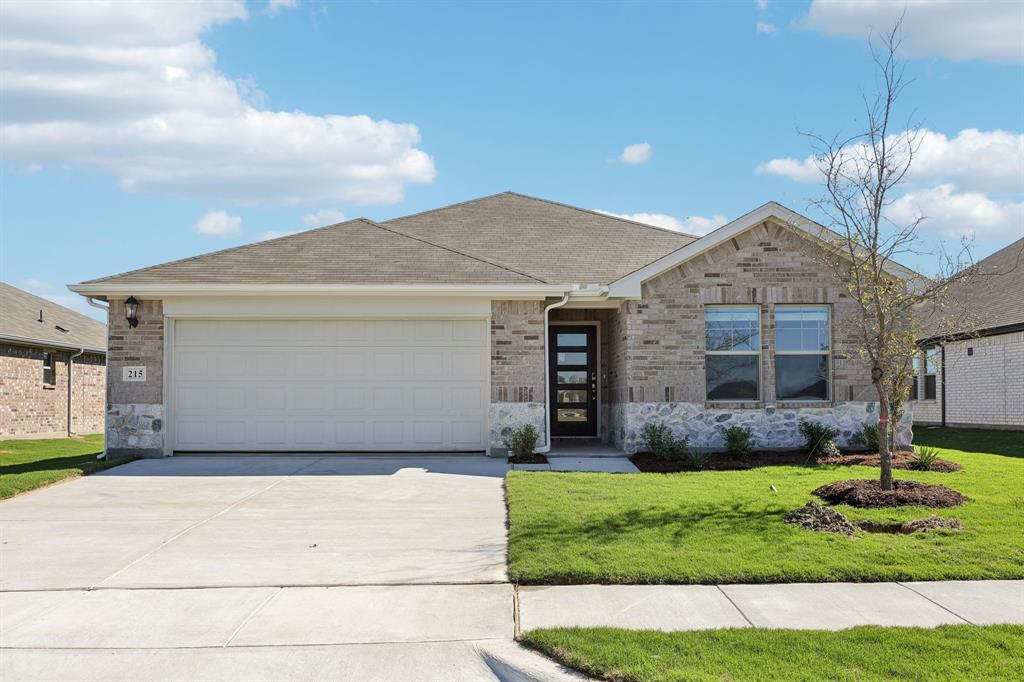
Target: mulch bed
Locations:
point(721, 461)
point(814, 516)
point(932, 523)
point(862, 493)
point(535, 458)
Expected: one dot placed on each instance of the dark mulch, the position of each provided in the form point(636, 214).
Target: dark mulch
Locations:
point(861, 493)
point(721, 461)
point(814, 516)
point(932, 523)
point(534, 458)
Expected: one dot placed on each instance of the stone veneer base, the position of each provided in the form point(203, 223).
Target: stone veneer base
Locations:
point(135, 429)
point(774, 427)
point(503, 417)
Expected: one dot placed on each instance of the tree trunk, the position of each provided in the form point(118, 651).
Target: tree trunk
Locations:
point(884, 453)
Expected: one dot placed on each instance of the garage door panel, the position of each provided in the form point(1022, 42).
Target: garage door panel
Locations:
point(341, 385)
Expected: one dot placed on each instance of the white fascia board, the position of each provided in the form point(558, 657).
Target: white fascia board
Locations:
point(42, 343)
point(118, 290)
point(630, 286)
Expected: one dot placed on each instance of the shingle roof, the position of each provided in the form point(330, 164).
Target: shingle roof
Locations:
point(20, 315)
point(503, 239)
point(995, 296)
point(551, 241)
point(354, 252)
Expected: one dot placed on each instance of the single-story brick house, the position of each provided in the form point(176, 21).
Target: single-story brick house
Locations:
point(52, 371)
point(440, 330)
point(978, 380)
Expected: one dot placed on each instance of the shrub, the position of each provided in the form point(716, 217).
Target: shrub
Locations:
point(739, 441)
point(662, 444)
point(521, 441)
point(869, 436)
point(819, 438)
point(696, 458)
point(924, 457)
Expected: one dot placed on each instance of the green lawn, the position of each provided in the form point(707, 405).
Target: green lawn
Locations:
point(28, 464)
point(726, 526)
point(951, 652)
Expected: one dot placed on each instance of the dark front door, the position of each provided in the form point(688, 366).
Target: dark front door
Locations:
point(573, 359)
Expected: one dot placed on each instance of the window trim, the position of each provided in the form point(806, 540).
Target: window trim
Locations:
point(827, 352)
point(49, 370)
point(916, 365)
point(934, 373)
point(759, 353)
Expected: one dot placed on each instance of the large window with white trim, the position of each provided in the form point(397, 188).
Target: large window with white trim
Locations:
point(732, 346)
point(802, 347)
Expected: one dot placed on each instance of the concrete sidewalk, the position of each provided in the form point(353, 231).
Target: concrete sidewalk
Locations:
point(825, 606)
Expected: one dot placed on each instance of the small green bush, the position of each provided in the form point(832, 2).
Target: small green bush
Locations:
point(739, 441)
point(819, 438)
point(662, 444)
point(696, 458)
point(521, 441)
point(868, 437)
point(924, 457)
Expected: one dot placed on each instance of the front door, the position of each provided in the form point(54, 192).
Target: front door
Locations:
point(573, 359)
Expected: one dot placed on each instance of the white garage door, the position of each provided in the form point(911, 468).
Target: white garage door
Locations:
point(332, 385)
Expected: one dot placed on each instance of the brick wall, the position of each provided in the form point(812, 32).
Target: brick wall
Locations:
point(517, 351)
point(28, 408)
point(135, 410)
point(662, 335)
point(985, 388)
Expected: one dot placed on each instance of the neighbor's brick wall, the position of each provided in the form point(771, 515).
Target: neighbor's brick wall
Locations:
point(517, 351)
point(659, 350)
point(143, 345)
point(985, 389)
point(28, 408)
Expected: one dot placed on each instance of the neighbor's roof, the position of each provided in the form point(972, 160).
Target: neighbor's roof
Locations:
point(20, 314)
point(994, 296)
point(504, 239)
point(551, 241)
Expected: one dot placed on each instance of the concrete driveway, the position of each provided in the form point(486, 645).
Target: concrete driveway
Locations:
point(263, 568)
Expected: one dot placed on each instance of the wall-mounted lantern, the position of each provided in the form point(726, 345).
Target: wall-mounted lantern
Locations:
point(131, 311)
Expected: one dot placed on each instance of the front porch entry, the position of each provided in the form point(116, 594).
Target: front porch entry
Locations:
point(573, 360)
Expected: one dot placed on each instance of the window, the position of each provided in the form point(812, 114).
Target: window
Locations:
point(48, 375)
point(802, 348)
point(732, 343)
point(915, 377)
point(931, 362)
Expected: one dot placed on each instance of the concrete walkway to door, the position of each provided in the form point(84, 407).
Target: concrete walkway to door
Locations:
point(263, 568)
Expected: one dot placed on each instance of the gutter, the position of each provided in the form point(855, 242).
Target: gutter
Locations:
point(45, 343)
point(547, 376)
point(71, 367)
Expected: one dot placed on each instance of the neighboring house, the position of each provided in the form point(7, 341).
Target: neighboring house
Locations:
point(979, 380)
point(52, 371)
point(427, 333)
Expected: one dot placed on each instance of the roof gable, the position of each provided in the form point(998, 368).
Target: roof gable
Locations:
point(629, 286)
point(994, 294)
point(550, 241)
point(20, 314)
point(356, 252)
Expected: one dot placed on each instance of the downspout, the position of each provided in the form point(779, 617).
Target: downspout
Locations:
point(92, 301)
point(547, 377)
point(943, 374)
point(71, 373)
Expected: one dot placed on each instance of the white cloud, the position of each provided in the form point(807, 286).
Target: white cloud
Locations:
point(636, 154)
point(274, 5)
point(325, 216)
point(218, 224)
point(983, 160)
point(950, 213)
point(766, 28)
point(959, 30)
point(761, 5)
point(51, 291)
point(695, 224)
point(129, 89)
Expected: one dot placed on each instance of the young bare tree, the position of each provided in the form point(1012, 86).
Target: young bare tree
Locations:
point(896, 307)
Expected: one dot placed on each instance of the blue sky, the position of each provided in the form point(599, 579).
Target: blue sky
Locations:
point(137, 136)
